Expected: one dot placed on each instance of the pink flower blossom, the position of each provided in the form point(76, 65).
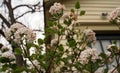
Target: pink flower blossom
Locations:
point(4, 49)
point(8, 55)
point(16, 26)
point(24, 34)
point(87, 54)
point(57, 8)
point(70, 15)
point(114, 14)
point(109, 47)
point(90, 35)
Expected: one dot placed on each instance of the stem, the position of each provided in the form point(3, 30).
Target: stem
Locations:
point(91, 70)
point(118, 26)
point(26, 67)
point(10, 66)
point(39, 71)
point(115, 68)
point(48, 70)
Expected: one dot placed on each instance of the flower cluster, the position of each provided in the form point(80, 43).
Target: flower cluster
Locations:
point(70, 15)
point(4, 49)
point(114, 14)
point(9, 55)
point(90, 35)
point(88, 55)
point(24, 34)
point(18, 32)
point(113, 48)
point(57, 8)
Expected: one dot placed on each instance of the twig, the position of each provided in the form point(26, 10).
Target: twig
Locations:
point(23, 14)
point(115, 68)
point(10, 9)
point(25, 5)
point(5, 20)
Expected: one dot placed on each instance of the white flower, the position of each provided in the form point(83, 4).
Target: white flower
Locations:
point(90, 35)
point(99, 70)
point(88, 54)
point(71, 15)
point(54, 42)
point(114, 14)
point(34, 64)
point(16, 26)
point(108, 53)
point(4, 48)
point(115, 71)
point(109, 47)
point(24, 34)
point(57, 8)
point(66, 15)
point(7, 34)
point(8, 55)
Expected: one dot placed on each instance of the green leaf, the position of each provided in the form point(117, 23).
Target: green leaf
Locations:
point(72, 10)
point(106, 70)
point(118, 69)
point(29, 45)
point(4, 60)
point(51, 23)
point(63, 69)
point(50, 31)
point(82, 13)
point(14, 66)
point(18, 51)
point(67, 22)
point(71, 42)
point(40, 41)
point(5, 67)
point(103, 55)
point(114, 41)
point(60, 26)
point(61, 48)
point(53, 19)
point(77, 5)
point(113, 21)
point(19, 70)
point(78, 65)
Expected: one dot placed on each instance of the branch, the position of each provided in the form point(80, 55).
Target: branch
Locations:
point(10, 9)
point(25, 5)
point(22, 14)
point(2, 33)
point(32, 11)
point(34, 8)
point(1, 45)
point(5, 20)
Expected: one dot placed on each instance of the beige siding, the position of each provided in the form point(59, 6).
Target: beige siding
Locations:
point(94, 9)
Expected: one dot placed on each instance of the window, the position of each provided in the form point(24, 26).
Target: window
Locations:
point(106, 38)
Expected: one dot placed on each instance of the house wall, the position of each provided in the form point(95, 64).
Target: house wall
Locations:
point(94, 8)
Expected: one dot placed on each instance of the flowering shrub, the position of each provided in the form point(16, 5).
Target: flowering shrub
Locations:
point(115, 17)
point(73, 56)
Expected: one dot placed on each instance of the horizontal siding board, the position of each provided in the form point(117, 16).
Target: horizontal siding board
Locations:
point(93, 8)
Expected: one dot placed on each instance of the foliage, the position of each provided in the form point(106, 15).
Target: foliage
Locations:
point(75, 55)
